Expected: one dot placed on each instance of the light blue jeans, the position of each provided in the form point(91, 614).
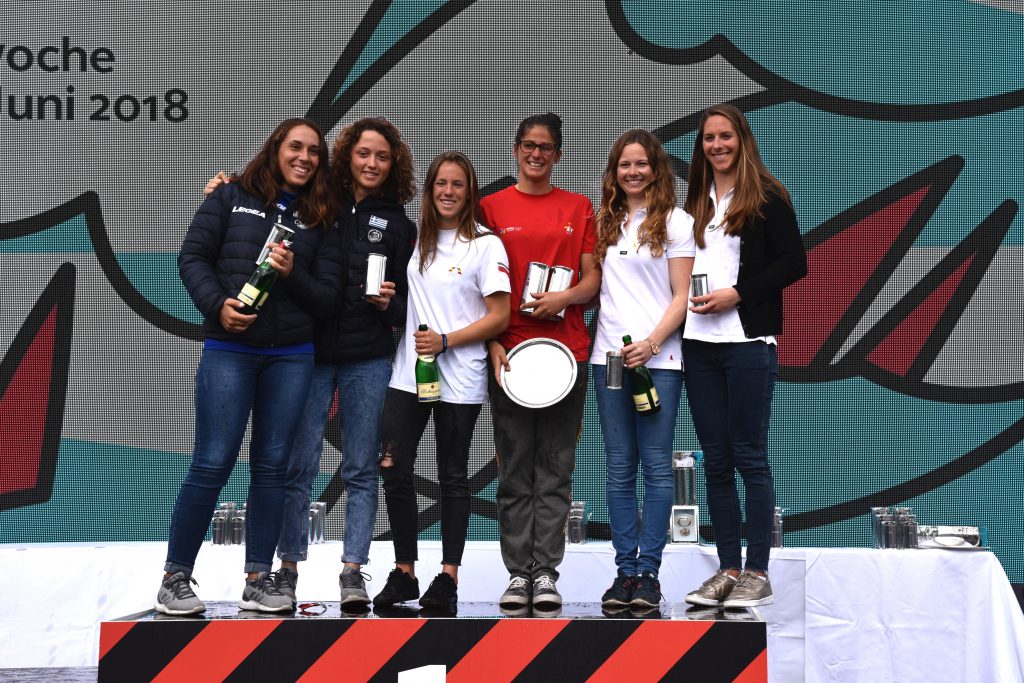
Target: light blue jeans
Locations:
point(362, 386)
point(632, 440)
point(229, 386)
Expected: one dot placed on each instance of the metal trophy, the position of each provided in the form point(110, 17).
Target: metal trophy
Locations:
point(576, 522)
point(684, 525)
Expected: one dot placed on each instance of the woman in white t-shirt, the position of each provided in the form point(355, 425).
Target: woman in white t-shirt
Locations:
point(459, 288)
point(645, 248)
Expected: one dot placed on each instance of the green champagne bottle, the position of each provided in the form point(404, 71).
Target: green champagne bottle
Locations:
point(428, 377)
point(645, 395)
point(255, 292)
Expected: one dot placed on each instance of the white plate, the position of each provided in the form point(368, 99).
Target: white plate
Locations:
point(543, 373)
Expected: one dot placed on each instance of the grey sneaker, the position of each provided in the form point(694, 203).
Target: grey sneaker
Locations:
point(751, 590)
point(517, 594)
point(286, 580)
point(261, 595)
point(176, 597)
point(545, 595)
point(353, 588)
point(713, 591)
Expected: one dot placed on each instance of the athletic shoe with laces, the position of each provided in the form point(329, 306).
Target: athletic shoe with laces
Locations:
point(713, 591)
point(751, 590)
point(647, 593)
point(442, 593)
point(400, 587)
point(286, 580)
point(176, 597)
point(620, 593)
point(353, 588)
point(517, 594)
point(545, 595)
point(261, 595)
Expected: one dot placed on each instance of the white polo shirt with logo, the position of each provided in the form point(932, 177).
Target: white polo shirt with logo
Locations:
point(636, 290)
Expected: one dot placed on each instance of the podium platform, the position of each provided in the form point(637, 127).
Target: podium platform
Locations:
point(479, 642)
point(839, 613)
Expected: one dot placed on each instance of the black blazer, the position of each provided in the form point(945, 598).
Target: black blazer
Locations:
point(772, 257)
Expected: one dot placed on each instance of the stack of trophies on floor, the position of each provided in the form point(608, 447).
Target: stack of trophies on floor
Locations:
point(228, 524)
point(897, 528)
point(684, 522)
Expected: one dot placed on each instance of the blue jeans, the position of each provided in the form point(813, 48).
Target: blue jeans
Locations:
point(362, 386)
point(228, 387)
point(729, 388)
point(631, 440)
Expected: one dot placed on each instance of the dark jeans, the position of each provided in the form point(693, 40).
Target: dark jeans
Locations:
point(405, 418)
point(230, 386)
point(729, 388)
point(536, 451)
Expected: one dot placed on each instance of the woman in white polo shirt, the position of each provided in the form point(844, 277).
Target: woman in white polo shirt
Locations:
point(458, 288)
point(645, 248)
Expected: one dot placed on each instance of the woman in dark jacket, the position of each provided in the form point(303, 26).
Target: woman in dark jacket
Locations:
point(252, 363)
point(749, 249)
point(373, 170)
point(373, 165)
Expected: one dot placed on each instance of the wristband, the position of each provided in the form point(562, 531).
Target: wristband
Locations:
point(444, 343)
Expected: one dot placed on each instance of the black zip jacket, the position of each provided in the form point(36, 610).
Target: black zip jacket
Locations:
point(219, 255)
point(359, 331)
point(772, 257)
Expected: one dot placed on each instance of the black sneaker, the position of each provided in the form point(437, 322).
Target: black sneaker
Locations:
point(517, 594)
point(545, 594)
point(399, 587)
point(621, 592)
point(647, 593)
point(442, 593)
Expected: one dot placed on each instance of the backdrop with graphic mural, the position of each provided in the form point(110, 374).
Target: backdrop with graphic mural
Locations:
point(896, 126)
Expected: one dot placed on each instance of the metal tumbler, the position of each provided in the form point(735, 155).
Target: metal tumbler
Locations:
point(698, 284)
point(613, 366)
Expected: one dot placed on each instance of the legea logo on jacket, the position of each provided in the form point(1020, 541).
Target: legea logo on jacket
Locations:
point(245, 209)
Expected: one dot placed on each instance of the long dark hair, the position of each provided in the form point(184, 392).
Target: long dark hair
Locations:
point(316, 202)
point(430, 222)
point(754, 182)
point(660, 196)
point(400, 184)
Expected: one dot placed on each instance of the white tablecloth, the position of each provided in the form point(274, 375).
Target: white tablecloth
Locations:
point(842, 614)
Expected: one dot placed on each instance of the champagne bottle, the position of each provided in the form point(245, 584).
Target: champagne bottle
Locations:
point(645, 395)
point(255, 292)
point(428, 377)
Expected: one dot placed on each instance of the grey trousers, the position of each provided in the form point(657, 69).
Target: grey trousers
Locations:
point(536, 450)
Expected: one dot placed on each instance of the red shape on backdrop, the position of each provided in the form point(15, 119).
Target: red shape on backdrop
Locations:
point(837, 271)
point(33, 387)
point(898, 351)
point(23, 411)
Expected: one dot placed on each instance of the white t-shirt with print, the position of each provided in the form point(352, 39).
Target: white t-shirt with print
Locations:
point(447, 296)
point(720, 261)
point(636, 290)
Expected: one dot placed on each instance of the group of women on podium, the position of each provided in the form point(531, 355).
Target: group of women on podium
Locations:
point(317, 335)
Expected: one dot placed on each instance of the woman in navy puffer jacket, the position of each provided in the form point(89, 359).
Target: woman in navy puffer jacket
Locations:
point(258, 364)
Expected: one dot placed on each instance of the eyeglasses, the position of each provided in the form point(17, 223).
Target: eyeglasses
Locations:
point(529, 146)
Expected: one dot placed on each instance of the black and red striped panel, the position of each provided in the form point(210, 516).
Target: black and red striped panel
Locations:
point(520, 650)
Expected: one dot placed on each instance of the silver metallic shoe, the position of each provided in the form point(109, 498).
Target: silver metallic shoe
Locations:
point(713, 591)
